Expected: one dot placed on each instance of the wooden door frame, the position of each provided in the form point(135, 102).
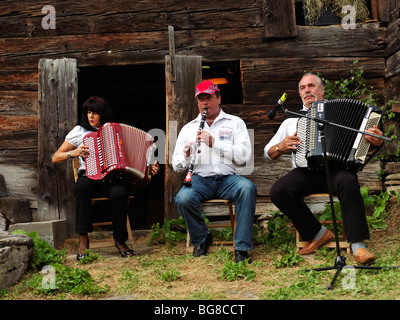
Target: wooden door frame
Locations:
point(181, 80)
point(57, 94)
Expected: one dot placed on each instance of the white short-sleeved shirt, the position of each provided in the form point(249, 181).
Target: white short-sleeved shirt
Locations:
point(75, 137)
point(231, 149)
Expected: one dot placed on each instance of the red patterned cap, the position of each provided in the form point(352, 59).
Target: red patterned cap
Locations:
point(206, 86)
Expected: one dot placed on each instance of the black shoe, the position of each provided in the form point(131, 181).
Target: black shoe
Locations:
point(241, 256)
point(202, 249)
point(80, 256)
point(125, 254)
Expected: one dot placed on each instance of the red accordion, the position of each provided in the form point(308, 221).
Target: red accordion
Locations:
point(120, 151)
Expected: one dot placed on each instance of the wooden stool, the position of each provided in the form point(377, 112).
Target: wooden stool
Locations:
point(331, 244)
point(232, 216)
point(103, 243)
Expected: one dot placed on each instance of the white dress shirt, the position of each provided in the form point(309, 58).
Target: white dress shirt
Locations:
point(231, 149)
point(287, 128)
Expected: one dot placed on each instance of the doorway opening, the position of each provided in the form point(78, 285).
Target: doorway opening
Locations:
point(136, 94)
point(227, 75)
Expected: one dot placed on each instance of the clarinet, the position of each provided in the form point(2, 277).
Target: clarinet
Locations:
point(188, 179)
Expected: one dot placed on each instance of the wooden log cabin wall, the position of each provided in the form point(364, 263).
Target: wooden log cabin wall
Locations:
point(119, 48)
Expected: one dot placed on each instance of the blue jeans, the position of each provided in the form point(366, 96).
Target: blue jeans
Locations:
point(233, 187)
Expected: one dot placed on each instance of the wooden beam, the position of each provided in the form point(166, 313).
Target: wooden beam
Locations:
point(58, 115)
point(181, 108)
point(172, 68)
point(279, 19)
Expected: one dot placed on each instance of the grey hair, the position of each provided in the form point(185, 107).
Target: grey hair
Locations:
point(319, 80)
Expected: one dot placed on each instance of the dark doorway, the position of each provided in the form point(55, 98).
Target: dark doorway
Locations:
point(137, 97)
point(227, 75)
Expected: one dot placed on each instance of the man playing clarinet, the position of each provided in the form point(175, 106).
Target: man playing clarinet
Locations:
point(222, 147)
point(288, 192)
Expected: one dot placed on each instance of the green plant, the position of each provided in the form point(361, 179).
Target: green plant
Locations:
point(259, 236)
point(66, 280)
point(164, 234)
point(289, 257)
point(44, 253)
point(170, 275)
point(377, 219)
point(277, 228)
point(235, 271)
point(354, 86)
point(89, 257)
point(129, 279)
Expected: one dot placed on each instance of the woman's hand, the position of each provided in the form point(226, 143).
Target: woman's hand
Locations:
point(155, 168)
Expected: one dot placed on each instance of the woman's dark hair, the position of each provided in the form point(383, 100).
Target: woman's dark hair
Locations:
point(99, 105)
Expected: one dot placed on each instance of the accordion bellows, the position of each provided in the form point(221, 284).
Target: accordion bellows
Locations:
point(344, 147)
point(119, 151)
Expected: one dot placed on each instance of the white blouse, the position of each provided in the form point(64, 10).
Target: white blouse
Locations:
point(75, 137)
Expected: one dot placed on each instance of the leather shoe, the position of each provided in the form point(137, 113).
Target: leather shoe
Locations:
point(241, 256)
point(313, 245)
point(202, 249)
point(363, 256)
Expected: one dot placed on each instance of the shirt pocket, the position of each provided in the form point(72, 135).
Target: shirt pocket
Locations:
point(225, 134)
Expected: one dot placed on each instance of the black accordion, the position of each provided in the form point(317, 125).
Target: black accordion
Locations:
point(345, 148)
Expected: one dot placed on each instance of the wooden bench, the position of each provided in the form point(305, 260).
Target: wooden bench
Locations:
point(230, 245)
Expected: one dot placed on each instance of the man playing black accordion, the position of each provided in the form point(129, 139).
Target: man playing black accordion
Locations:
point(289, 191)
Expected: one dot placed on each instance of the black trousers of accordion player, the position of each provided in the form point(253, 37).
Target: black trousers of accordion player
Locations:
point(85, 189)
point(288, 193)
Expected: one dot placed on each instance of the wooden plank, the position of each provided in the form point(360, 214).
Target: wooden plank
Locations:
point(104, 16)
point(24, 80)
point(384, 10)
point(393, 40)
point(393, 92)
point(58, 115)
point(151, 47)
point(16, 101)
point(181, 108)
point(283, 69)
point(279, 19)
point(265, 79)
point(393, 65)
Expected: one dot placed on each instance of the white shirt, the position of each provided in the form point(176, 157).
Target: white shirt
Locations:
point(287, 128)
point(231, 149)
point(75, 137)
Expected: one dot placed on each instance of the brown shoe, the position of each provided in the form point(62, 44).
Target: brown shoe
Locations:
point(363, 256)
point(313, 245)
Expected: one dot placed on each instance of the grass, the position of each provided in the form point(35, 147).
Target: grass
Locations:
point(165, 272)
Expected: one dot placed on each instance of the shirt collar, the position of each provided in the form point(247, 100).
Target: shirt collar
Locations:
point(221, 115)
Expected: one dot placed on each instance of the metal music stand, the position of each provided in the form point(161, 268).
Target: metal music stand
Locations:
point(340, 261)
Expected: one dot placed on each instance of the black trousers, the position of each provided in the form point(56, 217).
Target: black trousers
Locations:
point(288, 193)
point(85, 189)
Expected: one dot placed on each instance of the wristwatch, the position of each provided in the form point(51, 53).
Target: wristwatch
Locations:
point(277, 149)
point(69, 154)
